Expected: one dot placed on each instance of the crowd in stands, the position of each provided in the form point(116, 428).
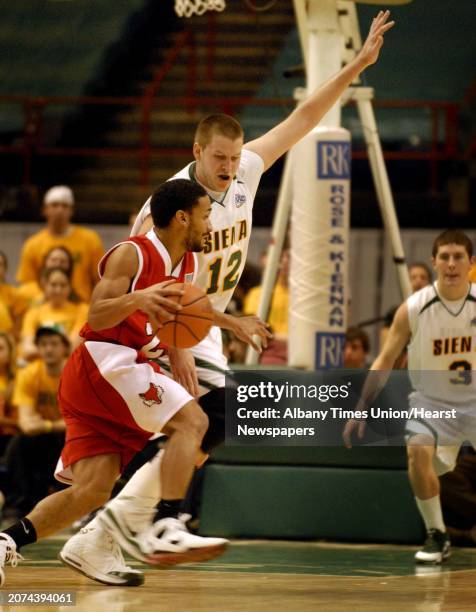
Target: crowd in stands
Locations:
point(40, 321)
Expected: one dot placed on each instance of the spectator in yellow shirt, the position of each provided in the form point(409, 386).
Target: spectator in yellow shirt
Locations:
point(56, 311)
point(84, 244)
point(31, 293)
point(33, 454)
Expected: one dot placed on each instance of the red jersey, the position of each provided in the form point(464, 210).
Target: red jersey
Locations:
point(155, 266)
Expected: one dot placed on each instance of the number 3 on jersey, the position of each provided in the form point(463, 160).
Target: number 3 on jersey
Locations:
point(464, 372)
point(231, 271)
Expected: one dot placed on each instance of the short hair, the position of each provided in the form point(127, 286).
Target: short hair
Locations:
point(172, 196)
point(217, 124)
point(48, 332)
point(357, 333)
point(453, 236)
point(424, 266)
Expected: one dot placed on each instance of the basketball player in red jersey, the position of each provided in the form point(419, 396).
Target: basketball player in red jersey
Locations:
point(113, 398)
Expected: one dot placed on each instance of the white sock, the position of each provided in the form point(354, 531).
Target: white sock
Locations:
point(138, 498)
point(430, 510)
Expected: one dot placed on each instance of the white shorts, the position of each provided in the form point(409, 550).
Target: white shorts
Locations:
point(448, 433)
point(210, 362)
point(111, 400)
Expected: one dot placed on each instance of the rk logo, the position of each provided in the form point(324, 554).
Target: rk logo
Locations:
point(333, 160)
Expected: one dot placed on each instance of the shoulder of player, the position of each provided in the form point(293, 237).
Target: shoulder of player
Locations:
point(123, 257)
point(423, 299)
point(249, 158)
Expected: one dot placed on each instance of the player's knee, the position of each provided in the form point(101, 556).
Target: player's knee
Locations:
point(190, 420)
point(419, 455)
point(92, 495)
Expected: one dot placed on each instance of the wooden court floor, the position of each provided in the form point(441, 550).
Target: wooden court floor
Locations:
point(266, 576)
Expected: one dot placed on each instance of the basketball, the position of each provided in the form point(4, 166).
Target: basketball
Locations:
point(192, 323)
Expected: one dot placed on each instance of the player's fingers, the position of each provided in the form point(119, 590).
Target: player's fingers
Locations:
point(163, 302)
point(163, 314)
point(166, 283)
point(361, 430)
point(385, 27)
point(253, 344)
point(346, 435)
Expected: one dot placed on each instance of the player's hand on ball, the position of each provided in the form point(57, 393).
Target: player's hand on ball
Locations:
point(182, 365)
point(247, 327)
point(371, 48)
point(351, 426)
point(153, 300)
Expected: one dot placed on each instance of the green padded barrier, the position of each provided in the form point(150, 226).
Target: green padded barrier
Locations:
point(290, 502)
point(389, 457)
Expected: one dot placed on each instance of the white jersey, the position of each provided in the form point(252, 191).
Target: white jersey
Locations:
point(221, 263)
point(443, 340)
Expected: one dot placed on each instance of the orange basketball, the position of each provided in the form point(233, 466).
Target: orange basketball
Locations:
point(192, 323)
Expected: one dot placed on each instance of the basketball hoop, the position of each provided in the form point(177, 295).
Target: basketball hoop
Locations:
point(187, 8)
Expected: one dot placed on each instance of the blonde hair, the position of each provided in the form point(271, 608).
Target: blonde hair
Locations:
point(217, 124)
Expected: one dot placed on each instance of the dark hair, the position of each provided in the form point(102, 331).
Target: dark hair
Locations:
point(357, 333)
point(423, 266)
point(217, 124)
point(171, 196)
point(453, 236)
point(48, 332)
point(47, 272)
point(66, 251)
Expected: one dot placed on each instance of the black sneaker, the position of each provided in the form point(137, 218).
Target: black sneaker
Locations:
point(436, 548)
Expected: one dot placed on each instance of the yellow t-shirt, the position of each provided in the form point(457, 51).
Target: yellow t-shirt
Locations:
point(69, 318)
point(85, 246)
point(279, 311)
point(6, 323)
point(28, 295)
point(16, 299)
point(35, 388)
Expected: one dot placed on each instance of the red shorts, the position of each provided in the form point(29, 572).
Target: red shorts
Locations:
point(112, 400)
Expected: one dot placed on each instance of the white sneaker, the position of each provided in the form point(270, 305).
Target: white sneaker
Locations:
point(167, 542)
point(94, 553)
point(8, 554)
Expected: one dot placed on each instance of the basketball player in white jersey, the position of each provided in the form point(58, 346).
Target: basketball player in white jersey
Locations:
point(230, 172)
point(439, 323)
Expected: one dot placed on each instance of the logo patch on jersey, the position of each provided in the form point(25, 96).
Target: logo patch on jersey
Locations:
point(240, 199)
point(153, 395)
point(188, 278)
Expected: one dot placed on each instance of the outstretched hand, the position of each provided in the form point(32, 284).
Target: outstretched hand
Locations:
point(351, 426)
point(371, 48)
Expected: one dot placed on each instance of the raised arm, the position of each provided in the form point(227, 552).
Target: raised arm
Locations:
point(282, 137)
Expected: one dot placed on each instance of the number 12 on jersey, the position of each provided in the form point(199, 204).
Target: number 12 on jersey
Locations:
point(231, 270)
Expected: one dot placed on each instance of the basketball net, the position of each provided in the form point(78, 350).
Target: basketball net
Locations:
point(187, 8)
